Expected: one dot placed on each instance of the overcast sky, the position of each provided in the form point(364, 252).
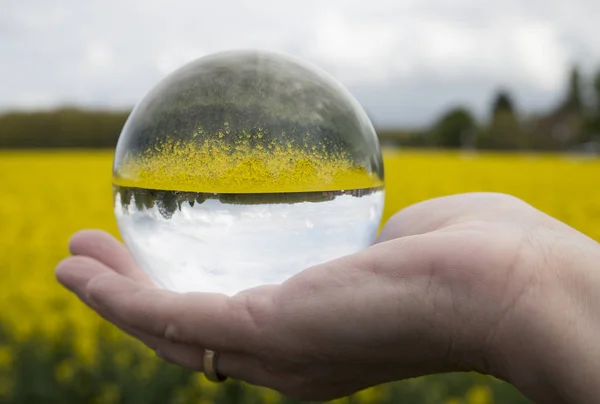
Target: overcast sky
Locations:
point(406, 61)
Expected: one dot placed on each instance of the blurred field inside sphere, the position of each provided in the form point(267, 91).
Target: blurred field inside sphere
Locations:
point(55, 350)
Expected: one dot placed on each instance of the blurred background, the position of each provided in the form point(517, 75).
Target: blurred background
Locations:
point(500, 97)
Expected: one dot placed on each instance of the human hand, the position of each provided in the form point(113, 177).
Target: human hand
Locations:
point(478, 282)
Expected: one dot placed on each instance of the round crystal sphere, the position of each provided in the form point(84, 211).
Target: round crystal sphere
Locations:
point(243, 168)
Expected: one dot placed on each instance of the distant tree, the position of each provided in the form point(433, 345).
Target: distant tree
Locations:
point(596, 85)
point(568, 123)
point(592, 128)
point(390, 137)
point(63, 128)
point(504, 130)
point(502, 103)
point(573, 100)
point(454, 129)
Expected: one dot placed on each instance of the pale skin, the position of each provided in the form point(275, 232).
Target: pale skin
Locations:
point(481, 282)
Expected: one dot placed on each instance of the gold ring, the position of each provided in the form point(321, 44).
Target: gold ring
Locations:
point(210, 366)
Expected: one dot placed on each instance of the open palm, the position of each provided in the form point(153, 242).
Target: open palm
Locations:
point(444, 288)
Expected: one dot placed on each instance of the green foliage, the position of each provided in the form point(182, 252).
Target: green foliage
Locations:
point(65, 128)
point(398, 137)
point(597, 92)
point(503, 103)
point(504, 131)
point(592, 128)
point(454, 129)
point(45, 371)
point(573, 101)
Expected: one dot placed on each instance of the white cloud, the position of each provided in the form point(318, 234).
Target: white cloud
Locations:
point(175, 55)
point(541, 57)
point(359, 49)
point(403, 60)
point(99, 56)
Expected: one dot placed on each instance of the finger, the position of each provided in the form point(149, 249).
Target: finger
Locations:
point(209, 320)
point(234, 365)
point(181, 355)
point(109, 251)
point(246, 368)
point(75, 272)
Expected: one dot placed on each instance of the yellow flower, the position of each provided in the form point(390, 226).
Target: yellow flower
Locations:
point(108, 395)
point(480, 395)
point(47, 196)
point(64, 371)
point(371, 395)
point(6, 357)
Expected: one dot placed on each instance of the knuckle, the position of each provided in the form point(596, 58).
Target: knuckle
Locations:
point(253, 310)
point(95, 287)
point(172, 332)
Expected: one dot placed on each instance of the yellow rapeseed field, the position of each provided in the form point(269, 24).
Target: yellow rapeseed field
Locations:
point(47, 196)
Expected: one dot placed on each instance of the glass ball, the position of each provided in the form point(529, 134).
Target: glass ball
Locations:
point(244, 168)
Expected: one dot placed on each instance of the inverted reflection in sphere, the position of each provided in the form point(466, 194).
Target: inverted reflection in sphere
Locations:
point(242, 169)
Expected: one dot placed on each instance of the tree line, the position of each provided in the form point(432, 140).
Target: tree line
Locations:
point(63, 128)
point(573, 123)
